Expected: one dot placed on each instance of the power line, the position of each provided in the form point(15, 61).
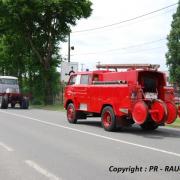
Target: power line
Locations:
point(124, 25)
point(144, 50)
point(127, 20)
point(123, 48)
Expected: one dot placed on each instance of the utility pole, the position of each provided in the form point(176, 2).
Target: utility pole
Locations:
point(98, 63)
point(69, 48)
point(82, 67)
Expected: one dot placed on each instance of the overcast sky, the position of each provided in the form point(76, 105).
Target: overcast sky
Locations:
point(114, 44)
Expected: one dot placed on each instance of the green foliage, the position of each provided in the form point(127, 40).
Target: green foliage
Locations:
point(30, 33)
point(173, 54)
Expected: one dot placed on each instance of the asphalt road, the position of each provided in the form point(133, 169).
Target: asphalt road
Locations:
point(40, 145)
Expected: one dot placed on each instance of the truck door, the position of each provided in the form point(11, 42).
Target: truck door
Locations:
point(69, 92)
point(80, 90)
point(95, 94)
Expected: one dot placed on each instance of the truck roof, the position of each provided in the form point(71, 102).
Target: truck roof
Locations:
point(128, 66)
point(94, 72)
point(121, 71)
point(8, 77)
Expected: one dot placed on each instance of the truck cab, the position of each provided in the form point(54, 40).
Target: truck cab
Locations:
point(9, 84)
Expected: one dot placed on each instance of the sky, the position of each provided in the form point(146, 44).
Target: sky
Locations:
point(139, 41)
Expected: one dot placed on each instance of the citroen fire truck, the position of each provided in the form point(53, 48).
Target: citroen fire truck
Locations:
point(121, 94)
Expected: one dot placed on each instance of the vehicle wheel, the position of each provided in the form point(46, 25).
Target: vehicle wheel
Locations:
point(4, 102)
point(71, 114)
point(108, 119)
point(24, 103)
point(149, 125)
point(13, 105)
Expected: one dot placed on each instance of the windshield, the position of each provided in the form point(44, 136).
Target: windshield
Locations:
point(8, 81)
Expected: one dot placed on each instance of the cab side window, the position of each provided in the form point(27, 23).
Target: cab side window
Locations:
point(84, 79)
point(72, 80)
point(95, 78)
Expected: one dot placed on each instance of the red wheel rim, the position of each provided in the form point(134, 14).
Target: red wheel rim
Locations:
point(140, 112)
point(158, 111)
point(172, 112)
point(107, 119)
point(70, 113)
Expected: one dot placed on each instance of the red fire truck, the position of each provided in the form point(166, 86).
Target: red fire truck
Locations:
point(121, 95)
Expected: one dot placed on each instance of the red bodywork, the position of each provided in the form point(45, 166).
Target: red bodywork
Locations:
point(135, 95)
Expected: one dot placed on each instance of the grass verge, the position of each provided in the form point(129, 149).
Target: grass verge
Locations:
point(54, 107)
point(175, 124)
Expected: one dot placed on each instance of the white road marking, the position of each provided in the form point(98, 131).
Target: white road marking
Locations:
point(6, 147)
point(41, 170)
point(93, 134)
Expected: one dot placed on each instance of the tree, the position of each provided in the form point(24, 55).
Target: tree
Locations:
point(42, 24)
point(173, 54)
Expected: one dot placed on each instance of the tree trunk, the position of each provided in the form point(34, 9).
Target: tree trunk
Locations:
point(46, 66)
point(48, 98)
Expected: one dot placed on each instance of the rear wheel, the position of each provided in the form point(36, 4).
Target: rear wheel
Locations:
point(149, 125)
point(71, 113)
point(13, 105)
point(24, 103)
point(3, 102)
point(108, 119)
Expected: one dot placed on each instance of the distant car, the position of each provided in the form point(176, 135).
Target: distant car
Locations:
point(10, 94)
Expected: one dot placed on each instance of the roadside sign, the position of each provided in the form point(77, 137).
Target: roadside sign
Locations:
point(67, 68)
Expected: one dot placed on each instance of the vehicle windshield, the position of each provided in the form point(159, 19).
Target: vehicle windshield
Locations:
point(8, 81)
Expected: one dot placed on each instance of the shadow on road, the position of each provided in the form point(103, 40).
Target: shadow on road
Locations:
point(90, 123)
point(160, 133)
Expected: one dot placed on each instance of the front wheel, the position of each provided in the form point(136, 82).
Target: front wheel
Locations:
point(13, 105)
point(71, 114)
point(24, 103)
point(3, 102)
point(108, 119)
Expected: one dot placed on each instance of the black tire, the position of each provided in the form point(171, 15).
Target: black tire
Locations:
point(4, 102)
point(13, 105)
point(108, 119)
point(72, 114)
point(149, 125)
point(24, 103)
